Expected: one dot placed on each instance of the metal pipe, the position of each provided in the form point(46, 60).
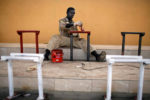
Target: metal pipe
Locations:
point(40, 81)
point(123, 44)
point(27, 55)
point(71, 47)
point(109, 81)
point(88, 43)
point(10, 79)
point(123, 57)
point(21, 43)
point(88, 47)
point(36, 41)
point(141, 80)
point(115, 59)
point(36, 58)
point(20, 32)
point(141, 34)
point(140, 42)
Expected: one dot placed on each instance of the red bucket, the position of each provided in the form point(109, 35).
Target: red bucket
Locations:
point(57, 55)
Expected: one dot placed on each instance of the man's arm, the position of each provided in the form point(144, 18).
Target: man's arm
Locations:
point(69, 25)
point(65, 25)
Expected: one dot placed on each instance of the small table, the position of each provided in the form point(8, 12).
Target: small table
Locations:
point(141, 34)
point(20, 32)
point(71, 43)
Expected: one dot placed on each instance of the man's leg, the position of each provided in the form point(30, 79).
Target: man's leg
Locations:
point(82, 43)
point(55, 42)
point(46, 55)
point(52, 44)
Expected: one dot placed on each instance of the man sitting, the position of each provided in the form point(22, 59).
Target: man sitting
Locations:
point(65, 26)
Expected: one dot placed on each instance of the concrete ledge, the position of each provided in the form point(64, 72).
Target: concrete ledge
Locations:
point(7, 48)
point(41, 45)
point(67, 76)
point(78, 53)
point(27, 83)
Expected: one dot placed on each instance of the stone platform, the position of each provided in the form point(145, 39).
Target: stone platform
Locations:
point(79, 55)
point(76, 76)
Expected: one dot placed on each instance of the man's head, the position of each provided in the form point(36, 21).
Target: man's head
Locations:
point(70, 12)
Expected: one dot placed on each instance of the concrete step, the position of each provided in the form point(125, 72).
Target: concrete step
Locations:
point(67, 76)
point(78, 54)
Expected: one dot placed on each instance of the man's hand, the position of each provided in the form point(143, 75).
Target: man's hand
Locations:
point(78, 23)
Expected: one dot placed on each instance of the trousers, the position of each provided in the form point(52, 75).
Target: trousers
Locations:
point(57, 41)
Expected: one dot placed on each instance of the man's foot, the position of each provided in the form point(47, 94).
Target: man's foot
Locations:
point(47, 54)
point(99, 57)
point(103, 56)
